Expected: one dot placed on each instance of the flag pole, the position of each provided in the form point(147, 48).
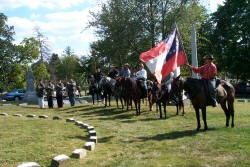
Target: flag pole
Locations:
point(181, 41)
point(194, 51)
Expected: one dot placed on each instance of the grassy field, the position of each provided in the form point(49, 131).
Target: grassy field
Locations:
point(125, 139)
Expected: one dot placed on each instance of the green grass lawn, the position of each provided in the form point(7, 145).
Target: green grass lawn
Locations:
point(125, 139)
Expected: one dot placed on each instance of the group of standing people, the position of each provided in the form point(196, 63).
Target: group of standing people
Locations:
point(58, 90)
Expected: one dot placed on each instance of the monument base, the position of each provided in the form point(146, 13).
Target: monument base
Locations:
point(31, 97)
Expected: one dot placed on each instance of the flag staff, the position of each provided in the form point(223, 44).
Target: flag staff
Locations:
point(194, 51)
point(179, 35)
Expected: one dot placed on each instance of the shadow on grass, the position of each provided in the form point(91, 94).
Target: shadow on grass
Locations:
point(85, 138)
point(174, 135)
point(105, 139)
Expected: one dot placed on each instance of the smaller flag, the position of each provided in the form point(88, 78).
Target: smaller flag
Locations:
point(165, 57)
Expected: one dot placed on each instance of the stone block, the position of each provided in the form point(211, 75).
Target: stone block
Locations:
point(90, 128)
point(93, 139)
point(70, 120)
point(85, 125)
point(77, 123)
point(79, 153)
point(31, 116)
point(4, 114)
point(29, 164)
point(56, 118)
point(60, 161)
point(92, 133)
point(18, 115)
point(90, 146)
point(43, 116)
point(23, 104)
point(7, 104)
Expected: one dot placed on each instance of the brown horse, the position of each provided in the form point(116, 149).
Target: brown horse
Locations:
point(198, 94)
point(133, 91)
point(160, 95)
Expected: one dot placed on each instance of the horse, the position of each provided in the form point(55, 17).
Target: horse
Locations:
point(118, 91)
point(134, 91)
point(198, 93)
point(160, 95)
point(93, 88)
point(106, 88)
point(176, 97)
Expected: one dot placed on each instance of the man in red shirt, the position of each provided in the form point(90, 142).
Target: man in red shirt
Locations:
point(208, 72)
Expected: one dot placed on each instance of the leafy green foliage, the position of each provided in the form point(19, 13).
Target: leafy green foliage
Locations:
point(40, 71)
point(231, 37)
point(128, 28)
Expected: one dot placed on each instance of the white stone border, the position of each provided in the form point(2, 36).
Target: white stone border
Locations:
point(62, 160)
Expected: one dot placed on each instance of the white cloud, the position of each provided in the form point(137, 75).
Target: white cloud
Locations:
point(62, 29)
point(35, 4)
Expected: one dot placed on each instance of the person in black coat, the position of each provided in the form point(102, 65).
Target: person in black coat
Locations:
point(40, 87)
point(59, 93)
point(71, 88)
point(50, 91)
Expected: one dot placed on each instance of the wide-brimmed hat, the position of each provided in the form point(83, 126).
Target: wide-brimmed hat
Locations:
point(208, 57)
point(141, 65)
point(112, 65)
point(126, 64)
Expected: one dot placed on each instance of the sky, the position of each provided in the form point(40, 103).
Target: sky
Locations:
point(63, 22)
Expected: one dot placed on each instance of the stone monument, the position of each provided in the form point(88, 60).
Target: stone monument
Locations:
point(30, 95)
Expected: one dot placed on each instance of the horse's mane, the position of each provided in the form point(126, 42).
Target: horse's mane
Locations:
point(193, 86)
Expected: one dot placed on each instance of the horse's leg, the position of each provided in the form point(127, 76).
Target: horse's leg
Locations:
point(197, 114)
point(177, 109)
point(165, 111)
point(226, 111)
point(204, 117)
point(231, 111)
point(159, 106)
point(182, 106)
point(136, 109)
point(121, 103)
point(109, 96)
point(139, 107)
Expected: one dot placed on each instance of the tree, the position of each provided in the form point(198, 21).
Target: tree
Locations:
point(40, 71)
point(68, 51)
point(68, 67)
point(28, 50)
point(231, 37)
point(44, 47)
point(6, 51)
point(127, 28)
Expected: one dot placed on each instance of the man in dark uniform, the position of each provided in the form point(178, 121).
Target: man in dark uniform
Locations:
point(71, 88)
point(50, 91)
point(98, 75)
point(113, 73)
point(59, 93)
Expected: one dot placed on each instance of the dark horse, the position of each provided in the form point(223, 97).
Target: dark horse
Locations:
point(134, 91)
point(93, 88)
point(198, 94)
point(118, 91)
point(106, 88)
point(160, 95)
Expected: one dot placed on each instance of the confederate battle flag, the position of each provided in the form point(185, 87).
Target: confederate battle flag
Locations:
point(165, 57)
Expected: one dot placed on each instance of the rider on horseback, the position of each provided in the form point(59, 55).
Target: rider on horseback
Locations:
point(113, 73)
point(208, 72)
point(141, 74)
